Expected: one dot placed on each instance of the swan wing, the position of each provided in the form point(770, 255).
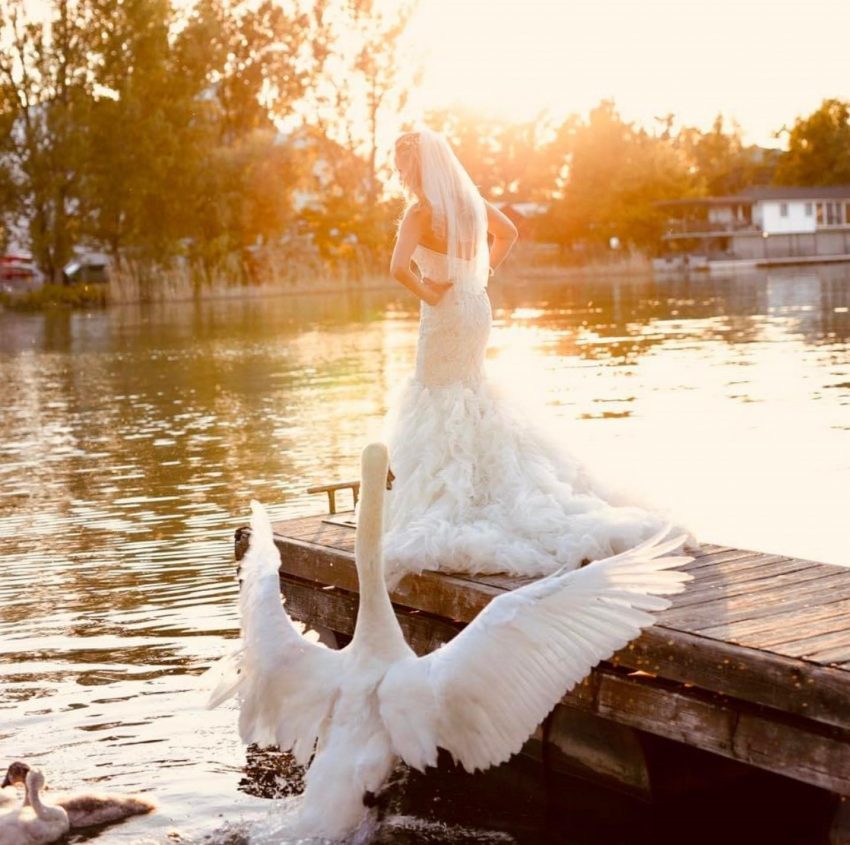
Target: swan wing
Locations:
point(481, 695)
point(286, 684)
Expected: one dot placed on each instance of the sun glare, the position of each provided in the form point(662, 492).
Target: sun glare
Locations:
point(761, 63)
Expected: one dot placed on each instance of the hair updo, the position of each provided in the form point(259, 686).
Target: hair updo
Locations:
point(408, 145)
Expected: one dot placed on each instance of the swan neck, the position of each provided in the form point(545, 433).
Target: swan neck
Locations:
point(33, 798)
point(375, 615)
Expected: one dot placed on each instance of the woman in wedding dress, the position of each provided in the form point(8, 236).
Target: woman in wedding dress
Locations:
point(478, 487)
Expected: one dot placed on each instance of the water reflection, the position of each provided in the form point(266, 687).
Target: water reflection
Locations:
point(133, 439)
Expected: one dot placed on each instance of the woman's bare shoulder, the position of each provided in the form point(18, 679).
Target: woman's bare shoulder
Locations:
point(498, 222)
point(416, 217)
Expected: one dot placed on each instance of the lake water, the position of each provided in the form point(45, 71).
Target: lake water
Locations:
point(133, 439)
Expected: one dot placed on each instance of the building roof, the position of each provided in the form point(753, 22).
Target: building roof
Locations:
point(777, 192)
point(758, 193)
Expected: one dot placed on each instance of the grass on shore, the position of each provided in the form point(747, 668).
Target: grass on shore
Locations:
point(57, 296)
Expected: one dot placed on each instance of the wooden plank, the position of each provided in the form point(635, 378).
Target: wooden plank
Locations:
point(726, 609)
point(339, 485)
point(831, 656)
point(333, 489)
point(739, 609)
point(831, 648)
point(288, 526)
point(755, 589)
point(328, 535)
point(707, 586)
point(795, 748)
point(311, 528)
point(799, 640)
point(786, 684)
point(765, 620)
point(735, 561)
point(767, 568)
point(707, 552)
point(776, 681)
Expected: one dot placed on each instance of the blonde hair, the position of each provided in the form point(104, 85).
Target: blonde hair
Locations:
point(458, 214)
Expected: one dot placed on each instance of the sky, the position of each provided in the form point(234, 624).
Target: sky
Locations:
point(762, 63)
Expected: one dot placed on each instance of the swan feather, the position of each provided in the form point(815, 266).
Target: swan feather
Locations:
point(481, 695)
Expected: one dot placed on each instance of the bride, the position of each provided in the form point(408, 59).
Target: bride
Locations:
point(478, 488)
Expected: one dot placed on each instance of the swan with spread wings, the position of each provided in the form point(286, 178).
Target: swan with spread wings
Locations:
point(353, 713)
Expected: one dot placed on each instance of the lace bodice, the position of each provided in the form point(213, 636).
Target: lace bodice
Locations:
point(435, 265)
point(452, 334)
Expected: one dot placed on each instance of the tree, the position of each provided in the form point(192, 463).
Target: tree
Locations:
point(720, 162)
point(818, 148)
point(146, 135)
point(241, 198)
point(616, 173)
point(349, 114)
point(250, 57)
point(377, 64)
point(45, 97)
point(507, 161)
point(184, 157)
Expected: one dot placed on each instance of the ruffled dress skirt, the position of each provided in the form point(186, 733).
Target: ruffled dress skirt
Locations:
point(479, 488)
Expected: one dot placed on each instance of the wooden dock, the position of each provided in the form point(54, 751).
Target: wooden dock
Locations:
point(752, 661)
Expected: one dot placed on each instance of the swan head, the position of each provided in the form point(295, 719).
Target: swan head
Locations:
point(375, 466)
point(35, 780)
point(15, 774)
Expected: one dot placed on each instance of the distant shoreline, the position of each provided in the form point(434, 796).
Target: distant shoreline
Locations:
point(87, 296)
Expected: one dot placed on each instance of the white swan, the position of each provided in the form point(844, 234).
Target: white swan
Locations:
point(85, 809)
point(479, 696)
point(33, 823)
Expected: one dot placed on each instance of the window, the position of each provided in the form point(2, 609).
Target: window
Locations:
point(808, 209)
point(783, 209)
point(833, 214)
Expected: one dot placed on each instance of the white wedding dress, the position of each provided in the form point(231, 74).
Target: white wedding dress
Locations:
point(478, 487)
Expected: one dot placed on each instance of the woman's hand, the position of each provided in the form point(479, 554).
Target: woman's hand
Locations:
point(435, 290)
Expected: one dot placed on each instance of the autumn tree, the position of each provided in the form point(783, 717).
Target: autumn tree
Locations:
point(376, 81)
point(241, 197)
point(616, 173)
point(350, 114)
point(45, 97)
point(253, 59)
point(147, 132)
point(818, 148)
point(515, 161)
point(719, 160)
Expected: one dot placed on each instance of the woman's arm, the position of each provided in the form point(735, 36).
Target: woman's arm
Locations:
point(504, 234)
point(409, 235)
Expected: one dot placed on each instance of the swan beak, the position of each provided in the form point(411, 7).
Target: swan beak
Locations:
point(390, 478)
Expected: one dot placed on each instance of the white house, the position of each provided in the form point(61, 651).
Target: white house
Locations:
point(761, 225)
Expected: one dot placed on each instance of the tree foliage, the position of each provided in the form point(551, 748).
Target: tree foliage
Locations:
point(510, 161)
point(720, 161)
point(45, 97)
point(616, 173)
point(818, 148)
